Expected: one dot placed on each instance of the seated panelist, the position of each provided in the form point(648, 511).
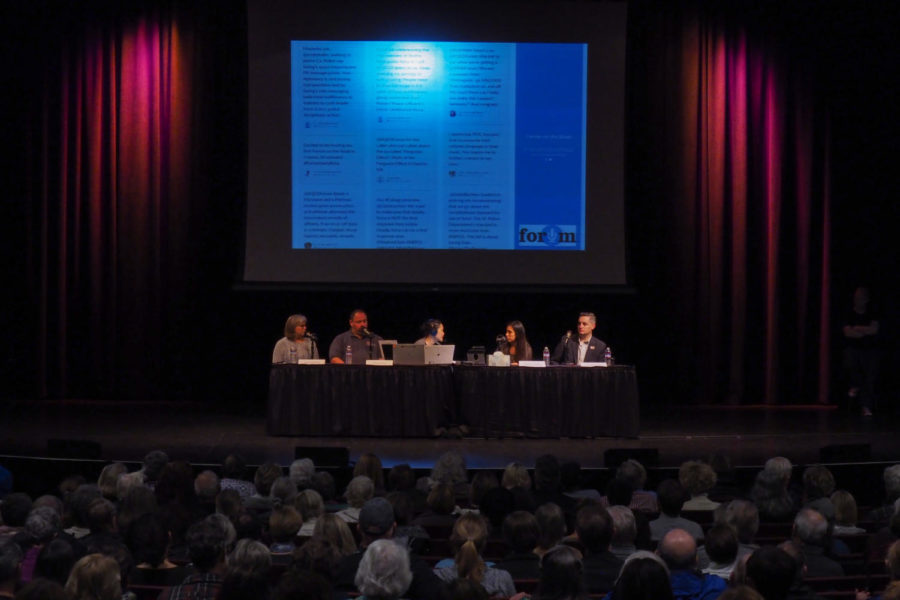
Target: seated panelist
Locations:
point(573, 350)
point(432, 333)
point(362, 342)
point(515, 343)
point(297, 342)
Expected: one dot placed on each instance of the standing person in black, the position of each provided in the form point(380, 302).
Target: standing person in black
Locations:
point(861, 353)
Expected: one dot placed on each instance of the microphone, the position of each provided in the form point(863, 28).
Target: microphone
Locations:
point(312, 336)
point(568, 337)
point(366, 332)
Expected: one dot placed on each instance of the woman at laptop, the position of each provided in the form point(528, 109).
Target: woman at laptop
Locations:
point(297, 343)
point(432, 333)
point(516, 346)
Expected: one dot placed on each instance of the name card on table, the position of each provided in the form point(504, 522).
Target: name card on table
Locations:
point(592, 364)
point(379, 362)
point(532, 363)
point(311, 361)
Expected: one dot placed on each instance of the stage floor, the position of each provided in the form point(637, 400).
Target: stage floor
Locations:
point(201, 434)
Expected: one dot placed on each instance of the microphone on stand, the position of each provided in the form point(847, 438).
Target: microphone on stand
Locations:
point(312, 336)
point(366, 332)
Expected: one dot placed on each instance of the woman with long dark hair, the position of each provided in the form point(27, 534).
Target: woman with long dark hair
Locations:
point(516, 346)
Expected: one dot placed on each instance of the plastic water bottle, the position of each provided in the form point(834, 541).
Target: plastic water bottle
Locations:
point(293, 360)
point(608, 357)
point(348, 355)
point(546, 356)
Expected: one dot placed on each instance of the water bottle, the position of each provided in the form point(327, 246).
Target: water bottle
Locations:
point(293, 359)
point(348, 355)
point(608, 357)
point(546, 356)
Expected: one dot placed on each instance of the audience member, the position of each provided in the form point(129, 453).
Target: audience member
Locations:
point(206, 545)
point(726, 487)
point(260, 504)
point(594, 528)
point(771, 571)
point(154, 463)
point(41, 526)
point(624, 532)
point(139, 500)
point(770, 494)
point(678, 549)
point(482, 482)
point(671, 497)
point(570, 480)
point(883, 513)
point(95, 577)
point(207, 487)
point(846, 513)
point(551, 527)
point(301, 472)
point(376, 522)
point(41, 589)
point(320, 555)
point(644, 576)
point(516, 476)
point(108, 480)
point(450, 469)
point(495, 505)
point(721, 549)
point(818, 483)
point(520, 530)
point(811, 535)
point(233, 471)
point(284, 523)
point(384, 571)
point(334, 529)
point(303, 584)
point(370, 465)
point(562, 575)
point(697, 478)
point(359, 491)
point(800, 590)
point(228, 503)
point(408, 534)
point(247, 572)
point(441, 504)
point(635, 475)
point(619, 493)
point(10, 563)
point(148, 539)
point(55, 561)
point(743, 518)
point(310, 505)
point(468, 539)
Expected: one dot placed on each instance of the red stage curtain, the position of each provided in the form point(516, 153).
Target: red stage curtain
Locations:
point(114, 146)
point(744, 195)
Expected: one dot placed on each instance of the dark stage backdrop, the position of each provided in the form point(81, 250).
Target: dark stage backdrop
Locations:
point(749, 131)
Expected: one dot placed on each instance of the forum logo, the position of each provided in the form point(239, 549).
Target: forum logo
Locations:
point(547, 236)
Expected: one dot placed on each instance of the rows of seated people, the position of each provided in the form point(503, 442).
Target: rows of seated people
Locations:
point(166, 531)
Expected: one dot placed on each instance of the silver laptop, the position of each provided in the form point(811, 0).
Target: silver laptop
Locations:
point(420, 354)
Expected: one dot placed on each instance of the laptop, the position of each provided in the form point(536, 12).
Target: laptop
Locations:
point(420, 354)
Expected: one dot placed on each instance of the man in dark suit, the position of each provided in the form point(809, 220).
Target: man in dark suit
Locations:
point(583, 348)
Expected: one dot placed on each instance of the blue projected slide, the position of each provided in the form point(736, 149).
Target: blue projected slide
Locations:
point(438, 145)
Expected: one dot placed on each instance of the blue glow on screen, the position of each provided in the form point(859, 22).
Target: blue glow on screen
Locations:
point(438, 145)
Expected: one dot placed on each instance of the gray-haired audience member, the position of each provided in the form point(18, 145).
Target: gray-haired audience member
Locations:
point(635, 475)
point(771, 496)
point(301, 472)
point(883, 513)
point(42, 524)
point(624, 531)
point(359, 490)
point(250, 558)
point(384, 571)
point(679, 550)
point(226, 526)
point(811, 534)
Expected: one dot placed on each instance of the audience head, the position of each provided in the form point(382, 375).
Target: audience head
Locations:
point(771, 572)
point(148, 539)
point(441, 499)
point(376, 519)
point(721, 543)
point(696, 477)
point(846, 512)
point(176, 484)
point(892, 560)
point(482, 482)
point(561, 573)
point(404, 510)
point(309, 503)
point(323, 482)
point(206, 545)
point(320, 555)
point(644, 576)
point(154, 462)
point(127, 482)
point(265, 476)
point(892, 482)
point(42, 524)
point(516, 475)
point(671, 496)
point(551, 524)
point(10, 564)
point(334, 529)
point(78, 502)
point(101, 516)
point(246, 525)
point(284, 523)
point(229, 503)
point(370, 465)
point(810, 527)
point(892, 591)
point(384, 570)
point(546, 473)
point(206, 486)
point(15, 508)
point(250, 559)
point(624, 525)
point(108, 480)
point(359, 490)
point(401, 478)
point(301, 472)
point(818, 482)
point(633, 473)
point(781, 467)
point(467, 539)
point(234, 467)
point(520, 530)
point(450, 468)
point(743, 517)
point(496, 504)
point(283, 491)
point(55, 561)
point(594, 527)
point(95, 577)
point(768, 485)
point(678, 549)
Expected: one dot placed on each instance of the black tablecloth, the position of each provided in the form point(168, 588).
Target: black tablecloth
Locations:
point(407, 401)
